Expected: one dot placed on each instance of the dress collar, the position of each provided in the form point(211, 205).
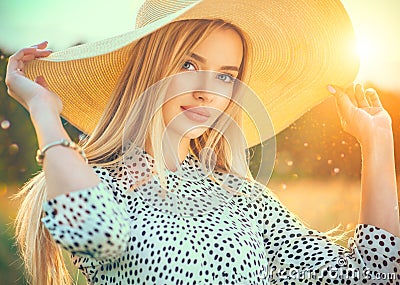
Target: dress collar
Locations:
point(189, 190)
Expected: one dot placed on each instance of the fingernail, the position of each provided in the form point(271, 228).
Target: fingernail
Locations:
point(331, 89)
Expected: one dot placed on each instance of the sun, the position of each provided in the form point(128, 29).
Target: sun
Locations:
point(367, 49)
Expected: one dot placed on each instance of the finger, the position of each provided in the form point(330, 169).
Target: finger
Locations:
point(373, 97)
point(42, 81)
point(19, 55)
point(342, 119)
point(360, 96)
point(15, 63)
point(41, 45)
point(350, 91)
point(344, 104)
point(17, 60)
point(13, 60)
point(36, 54)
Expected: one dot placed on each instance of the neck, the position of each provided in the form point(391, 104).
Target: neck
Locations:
point(174, 150)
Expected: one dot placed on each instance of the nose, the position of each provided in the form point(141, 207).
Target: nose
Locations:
point(203, 96)
point(205, 86)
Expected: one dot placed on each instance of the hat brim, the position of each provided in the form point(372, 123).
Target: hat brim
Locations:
point(296, 49)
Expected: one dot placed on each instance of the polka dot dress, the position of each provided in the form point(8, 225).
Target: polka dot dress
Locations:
point(199, 230)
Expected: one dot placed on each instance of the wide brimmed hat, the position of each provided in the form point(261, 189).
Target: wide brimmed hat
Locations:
point(296, 48)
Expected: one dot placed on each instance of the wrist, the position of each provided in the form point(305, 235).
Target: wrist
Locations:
point(378, 154)
point(382, 140)
point(45, 119)
point(42, 105)
point(37, 112)
point(48, 127)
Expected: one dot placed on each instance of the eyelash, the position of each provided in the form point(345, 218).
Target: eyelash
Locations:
point(230, 76)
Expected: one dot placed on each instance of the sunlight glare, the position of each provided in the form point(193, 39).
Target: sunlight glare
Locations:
point(367, 49)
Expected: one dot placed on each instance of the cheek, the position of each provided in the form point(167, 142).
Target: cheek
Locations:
point(179, 84)
point(172, 99)
point(168, 111)
point(223, 103)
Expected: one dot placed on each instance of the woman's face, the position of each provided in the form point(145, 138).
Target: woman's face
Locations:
point(202, 91)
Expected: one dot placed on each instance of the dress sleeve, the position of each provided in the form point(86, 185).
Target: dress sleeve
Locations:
point(299, 255)
point(89, 223)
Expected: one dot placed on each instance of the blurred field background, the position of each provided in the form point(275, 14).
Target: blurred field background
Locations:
point(316, 175)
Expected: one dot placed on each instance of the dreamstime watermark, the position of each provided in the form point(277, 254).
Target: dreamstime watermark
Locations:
point(339, 272)
point(332, 273)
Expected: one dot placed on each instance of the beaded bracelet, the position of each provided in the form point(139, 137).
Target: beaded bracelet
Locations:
point(63, 142)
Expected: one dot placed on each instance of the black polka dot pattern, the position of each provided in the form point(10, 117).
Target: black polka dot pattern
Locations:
point(123, 231)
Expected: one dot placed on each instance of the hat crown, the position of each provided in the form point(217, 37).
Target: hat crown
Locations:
point(153, 10)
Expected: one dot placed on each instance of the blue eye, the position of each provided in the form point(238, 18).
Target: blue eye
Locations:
point(224, 77)
point(188, 66)
point(227, 78)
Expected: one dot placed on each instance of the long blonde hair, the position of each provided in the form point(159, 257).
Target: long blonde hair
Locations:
point(152, 58)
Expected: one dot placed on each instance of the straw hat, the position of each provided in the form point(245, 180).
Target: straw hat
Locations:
point(297, 48)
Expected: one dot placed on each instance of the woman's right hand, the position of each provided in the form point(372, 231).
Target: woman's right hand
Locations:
point(35, 96)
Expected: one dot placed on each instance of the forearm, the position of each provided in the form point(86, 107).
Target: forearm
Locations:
point(379, 201)
point(64, 168)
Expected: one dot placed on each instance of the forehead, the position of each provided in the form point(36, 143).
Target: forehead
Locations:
point(221, 47)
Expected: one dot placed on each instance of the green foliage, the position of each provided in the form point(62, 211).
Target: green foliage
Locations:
point(11, 268)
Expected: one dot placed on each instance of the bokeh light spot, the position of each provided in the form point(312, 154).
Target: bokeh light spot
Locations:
point(13, 149)
point(3, 189)
point(5, 124)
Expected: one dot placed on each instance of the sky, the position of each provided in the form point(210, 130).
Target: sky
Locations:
point(65, 23)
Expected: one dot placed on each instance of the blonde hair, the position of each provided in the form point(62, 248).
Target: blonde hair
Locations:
point(164, 50)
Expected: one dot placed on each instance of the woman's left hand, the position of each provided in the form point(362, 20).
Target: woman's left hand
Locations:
point(361, 113)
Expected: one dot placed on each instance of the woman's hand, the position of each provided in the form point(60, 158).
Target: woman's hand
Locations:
point(361, 113)
point(33, 95)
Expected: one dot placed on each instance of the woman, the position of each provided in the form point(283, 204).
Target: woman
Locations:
point(145, 209)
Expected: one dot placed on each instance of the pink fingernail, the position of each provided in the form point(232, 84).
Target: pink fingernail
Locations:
point(331, 89)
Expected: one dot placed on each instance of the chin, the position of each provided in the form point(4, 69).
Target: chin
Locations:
point(194, 134)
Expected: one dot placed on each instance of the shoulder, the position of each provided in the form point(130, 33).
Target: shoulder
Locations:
point(111, 178)
point(256, 190)
point(260, 196)
point(104, 174)
point(248, 191)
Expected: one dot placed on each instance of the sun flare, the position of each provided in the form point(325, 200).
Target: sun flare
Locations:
point(367, 49)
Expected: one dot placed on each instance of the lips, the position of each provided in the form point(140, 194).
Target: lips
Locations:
point(196, 114)
point(198, 110)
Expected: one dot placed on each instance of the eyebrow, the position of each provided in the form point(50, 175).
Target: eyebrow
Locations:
point(203, 60)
